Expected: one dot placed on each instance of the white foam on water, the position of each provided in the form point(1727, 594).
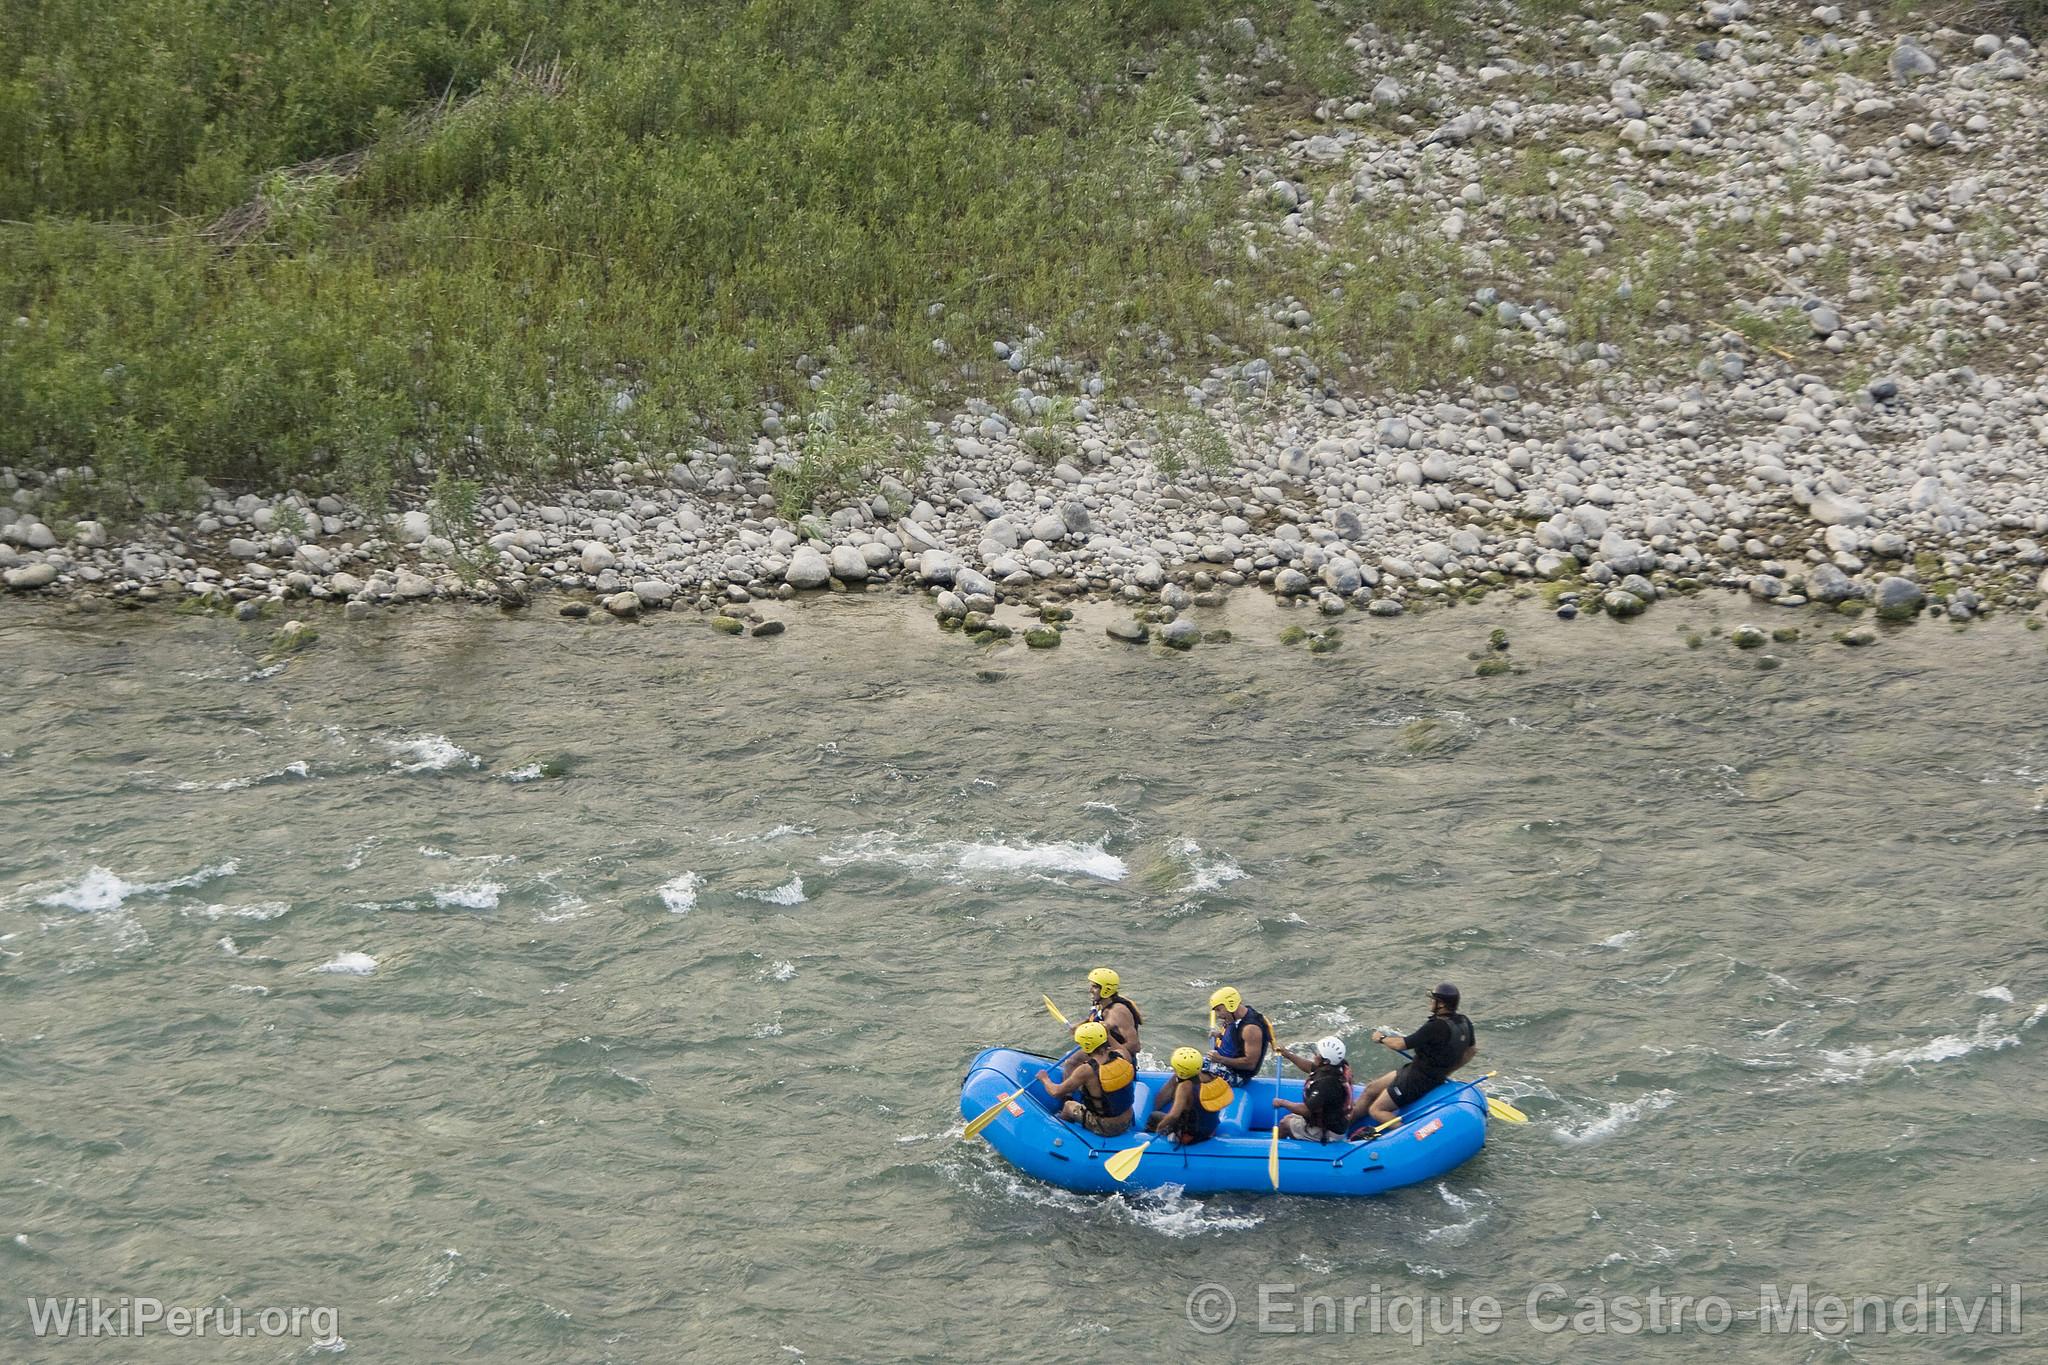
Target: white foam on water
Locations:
point(530, 772)
point(951, 859)
point(261, 910)
point(100, 889)
point(1205, 875)
point(782, 971)
point(348, 964)
point(1166, 1211)
point(1847, 1065)
point(429, 753)
point(790, 892)
point(1088, 860)
point(1622, 939)
point(769, 1030)
point(1995, 993)
point(470, 896)
point(299, 769)
point(1619, 1115)
point(227, 945)
point(679, 893)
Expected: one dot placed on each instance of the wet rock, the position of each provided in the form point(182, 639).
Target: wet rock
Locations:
point(1180, 633)
point(768, 628)
point(1042, 637)
point(727, 625)
point(575, 611)
point(652, 592)
point(1132, 632)
point(1898, 599)
point(29, 577)
point(625, 605)
point(1748, 637)
point(292, 636)
point(1826, 583)
point(1621, 604)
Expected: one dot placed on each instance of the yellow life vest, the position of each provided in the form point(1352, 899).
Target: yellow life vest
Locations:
point(1216, 1094)
point(1115, 1074)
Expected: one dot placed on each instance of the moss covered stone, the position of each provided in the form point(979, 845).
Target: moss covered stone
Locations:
point(1042, 637)
point(1492, 668)
point(1747, 637)
point(1785, 635)
point(729, 625)
point(1293, 635)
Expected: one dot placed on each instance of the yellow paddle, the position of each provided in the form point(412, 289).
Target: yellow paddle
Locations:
point(1499, 1109)
point(1053, 1009)
point(1273, 1147)
point(1123, 1163)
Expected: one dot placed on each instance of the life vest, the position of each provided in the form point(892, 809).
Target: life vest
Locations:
point(1115, 1077)
point(1438, 1065)
point(1327, 1098)
point(1231, 1041)
point(1100, 1014)
point(1198, 1121)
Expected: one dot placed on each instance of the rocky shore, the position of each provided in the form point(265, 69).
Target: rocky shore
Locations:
point(1802, 354)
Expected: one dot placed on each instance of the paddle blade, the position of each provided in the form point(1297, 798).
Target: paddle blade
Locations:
point(1501, 1109)
point(1273, 1159)
point(1053, 1009)
point(1123, 1163)
point(988, 1116)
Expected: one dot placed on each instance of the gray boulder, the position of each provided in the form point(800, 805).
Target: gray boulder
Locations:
point(807, 569)
point(1826, 583)
point(1898, 599)
point(848, 564)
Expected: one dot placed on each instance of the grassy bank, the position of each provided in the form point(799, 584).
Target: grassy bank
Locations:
point(347, 245)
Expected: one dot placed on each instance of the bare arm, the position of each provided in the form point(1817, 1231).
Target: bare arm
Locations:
point(1066, 1087)
point(1254, 1059)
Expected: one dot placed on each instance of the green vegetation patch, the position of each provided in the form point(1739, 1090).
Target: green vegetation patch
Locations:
point(346, 244)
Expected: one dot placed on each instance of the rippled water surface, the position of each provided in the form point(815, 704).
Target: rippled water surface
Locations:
point(540, 991)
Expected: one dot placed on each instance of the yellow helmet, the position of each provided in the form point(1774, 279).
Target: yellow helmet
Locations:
point(1091, 1035)
point(1106, 978)
point(1226, 999)
point(1186, 1062)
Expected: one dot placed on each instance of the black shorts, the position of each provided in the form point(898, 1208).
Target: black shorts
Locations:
point(1410, 1084)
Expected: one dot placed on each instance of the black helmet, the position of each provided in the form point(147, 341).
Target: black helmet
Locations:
point(1447, 993)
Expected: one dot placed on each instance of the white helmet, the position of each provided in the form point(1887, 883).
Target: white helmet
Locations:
point(1331, 1050)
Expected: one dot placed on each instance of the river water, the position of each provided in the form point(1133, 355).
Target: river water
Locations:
point(534, 990)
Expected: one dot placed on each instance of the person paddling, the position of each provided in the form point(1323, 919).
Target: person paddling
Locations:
point(1241, 1033)
point(1102, 1082)
point(1113, 1011)
point(1324, 1111)
point(1443, 1043)
point(1191, 1101)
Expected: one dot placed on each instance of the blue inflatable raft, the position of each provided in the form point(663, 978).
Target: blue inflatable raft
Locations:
point(1437, 1133)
